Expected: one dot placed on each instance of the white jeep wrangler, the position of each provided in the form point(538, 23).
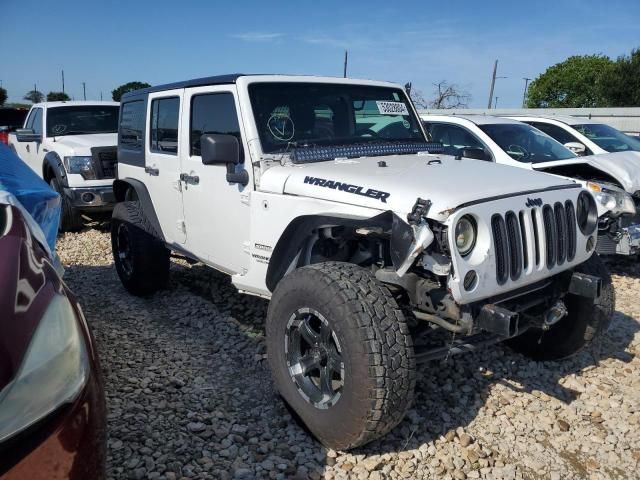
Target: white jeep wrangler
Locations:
point(324, 195)
point(72, 146)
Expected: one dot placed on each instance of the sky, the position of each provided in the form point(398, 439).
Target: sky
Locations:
point(108, 43)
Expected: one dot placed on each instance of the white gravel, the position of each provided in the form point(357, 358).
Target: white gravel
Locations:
point(189, 393)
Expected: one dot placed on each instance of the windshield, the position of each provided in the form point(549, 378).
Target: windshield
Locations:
point(608, 138)
point(312, 114)
point(79, 120)
point(524, 143)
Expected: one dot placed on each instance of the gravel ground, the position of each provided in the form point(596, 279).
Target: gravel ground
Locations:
point(189, 393)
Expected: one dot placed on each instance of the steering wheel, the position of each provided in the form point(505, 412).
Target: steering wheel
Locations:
point(370, 133)
point(518, 149)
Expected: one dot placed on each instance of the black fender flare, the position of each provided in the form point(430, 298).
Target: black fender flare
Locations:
point(294, 236)
point(120, 188)
point(53, 162)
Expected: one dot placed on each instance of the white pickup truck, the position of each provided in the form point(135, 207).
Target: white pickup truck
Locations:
point(72, 146)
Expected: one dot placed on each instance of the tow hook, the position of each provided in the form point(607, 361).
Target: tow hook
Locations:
point(554, 315)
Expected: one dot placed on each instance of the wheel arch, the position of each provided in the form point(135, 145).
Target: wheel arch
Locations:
point(52, 166)
point(128, 189)
point(299, 230)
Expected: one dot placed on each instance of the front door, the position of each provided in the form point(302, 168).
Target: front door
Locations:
point(162, 165)
point(32, 153)
point(216, 211)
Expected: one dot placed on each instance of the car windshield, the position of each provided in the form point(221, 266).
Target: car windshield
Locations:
point(79, 120)
point(315, 114)
point(524, 143)
point(608, 138)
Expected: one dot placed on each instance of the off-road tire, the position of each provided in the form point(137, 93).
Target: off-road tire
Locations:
point(588, 319)
point(70, 219)
point(377, 352)
point(147, 269)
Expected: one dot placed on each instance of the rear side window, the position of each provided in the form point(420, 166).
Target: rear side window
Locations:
point(164, 125)
point(131, 125)
point(212, 113)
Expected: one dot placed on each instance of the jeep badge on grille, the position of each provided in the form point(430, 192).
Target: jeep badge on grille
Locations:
point(533, 202)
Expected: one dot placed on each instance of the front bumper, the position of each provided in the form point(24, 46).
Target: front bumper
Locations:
point(625, 242)
point(91, 198)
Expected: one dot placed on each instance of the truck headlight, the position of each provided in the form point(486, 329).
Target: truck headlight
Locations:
point(465, 235)
point(81, 165)
point(53, 372)
point(613, 198)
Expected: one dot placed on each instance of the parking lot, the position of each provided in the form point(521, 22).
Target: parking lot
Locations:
point(189, 394)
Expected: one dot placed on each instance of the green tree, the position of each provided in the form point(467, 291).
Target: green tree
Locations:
point(127, 87)
point(3, 96)
point(57, 97)
point(622, 84)
point(576, 82)
point(34, 96)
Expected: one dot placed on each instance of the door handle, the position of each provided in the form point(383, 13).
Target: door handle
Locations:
point(190, 179)
point(154, 172)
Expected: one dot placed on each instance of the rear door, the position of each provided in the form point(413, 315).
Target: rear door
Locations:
point(216, 211)
point(162, 168)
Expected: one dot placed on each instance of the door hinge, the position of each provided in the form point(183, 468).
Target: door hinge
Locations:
point(190, 179)
point(182, 226)
point(246, 246)
point(244, 198)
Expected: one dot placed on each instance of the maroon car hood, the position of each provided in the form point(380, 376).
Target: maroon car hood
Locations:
point(28, 281)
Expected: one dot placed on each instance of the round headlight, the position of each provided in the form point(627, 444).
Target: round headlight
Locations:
point(465, 235)
point(586, 213)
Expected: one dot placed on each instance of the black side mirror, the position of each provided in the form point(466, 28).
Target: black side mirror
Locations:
point(474, 153)
point(27, 135)
point(216, 149)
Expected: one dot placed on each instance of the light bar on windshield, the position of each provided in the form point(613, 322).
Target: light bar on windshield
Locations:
point(321, 154)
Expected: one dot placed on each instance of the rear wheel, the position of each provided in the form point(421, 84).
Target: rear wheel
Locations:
point(587, 319)
point(340, 353)
point(141, 260)
point(70, 219)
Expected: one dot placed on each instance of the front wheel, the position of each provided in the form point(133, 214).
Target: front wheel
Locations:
point(340, 353)
point(587, 319)
point(70, 219)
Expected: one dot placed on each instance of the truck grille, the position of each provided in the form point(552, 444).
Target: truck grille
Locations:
point(521, 238)
point(105, 160)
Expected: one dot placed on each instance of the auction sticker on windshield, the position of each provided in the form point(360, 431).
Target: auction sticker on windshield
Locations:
point(392, 108)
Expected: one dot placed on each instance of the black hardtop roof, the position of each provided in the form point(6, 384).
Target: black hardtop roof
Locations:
point(196, 82)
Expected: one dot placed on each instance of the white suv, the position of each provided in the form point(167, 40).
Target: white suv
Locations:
point(323, 195)
point(72, 146)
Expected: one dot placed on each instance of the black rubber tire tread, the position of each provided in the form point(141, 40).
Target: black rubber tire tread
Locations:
point(70, 219)
point(587, 320)
point(151, 258)
point(376, 344)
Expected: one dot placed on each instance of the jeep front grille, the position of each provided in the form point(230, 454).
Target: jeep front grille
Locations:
point(519, 241)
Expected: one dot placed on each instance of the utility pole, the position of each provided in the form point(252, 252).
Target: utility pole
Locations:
point(101, 96)
point(493, 82)
point(346, 57)
point(84, 90)
point(495, 104)
point(524, 95)
point(62, 81)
